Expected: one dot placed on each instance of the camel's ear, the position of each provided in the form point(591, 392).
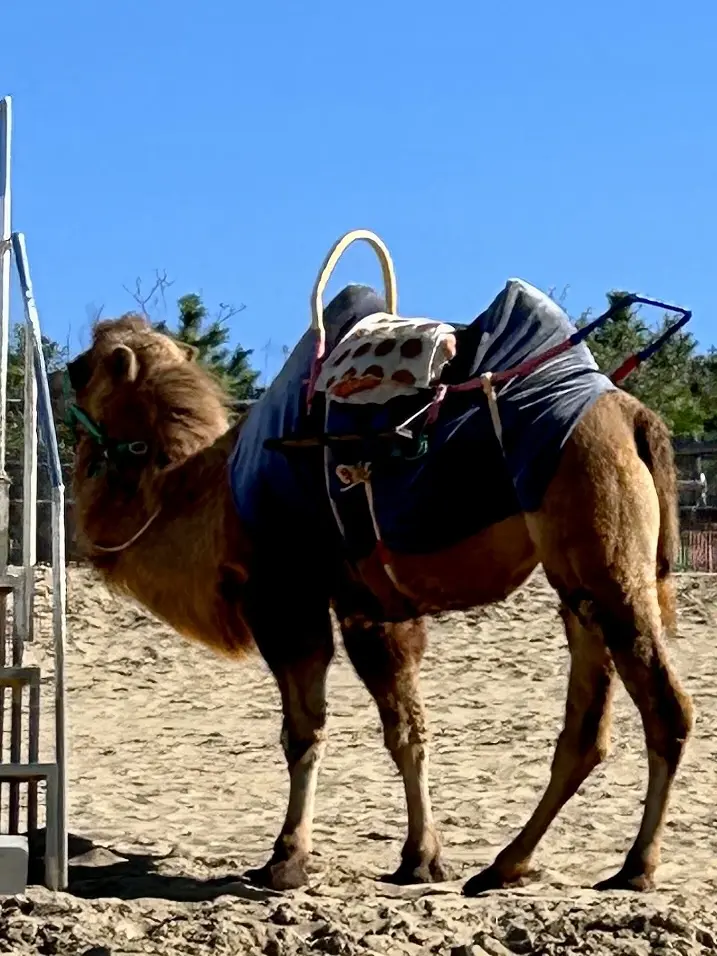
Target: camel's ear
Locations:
point(191, 351)
point(123, 364)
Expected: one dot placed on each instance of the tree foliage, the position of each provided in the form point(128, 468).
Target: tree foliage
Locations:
point(677, 381)
point(210, 335)
point(56, 357)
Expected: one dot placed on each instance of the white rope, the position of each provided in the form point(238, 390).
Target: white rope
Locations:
point(135, 537)
point(487, 383)
point(350, 477)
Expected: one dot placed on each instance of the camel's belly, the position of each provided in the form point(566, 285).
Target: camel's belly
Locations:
point(481, 569)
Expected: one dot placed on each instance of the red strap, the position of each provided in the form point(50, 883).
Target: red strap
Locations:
point(629, 365)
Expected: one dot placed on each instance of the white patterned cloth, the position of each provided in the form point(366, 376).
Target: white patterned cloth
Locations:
point(384, 356)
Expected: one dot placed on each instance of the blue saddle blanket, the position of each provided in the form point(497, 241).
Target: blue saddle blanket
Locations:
point(458, 480)
point(270, 489)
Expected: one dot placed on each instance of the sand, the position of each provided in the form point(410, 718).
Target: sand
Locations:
point(177, 786)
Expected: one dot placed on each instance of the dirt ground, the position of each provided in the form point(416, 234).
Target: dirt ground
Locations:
point(177, 786)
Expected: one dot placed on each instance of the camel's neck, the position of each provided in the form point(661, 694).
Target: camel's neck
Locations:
point(194, 545)
point(115, 497)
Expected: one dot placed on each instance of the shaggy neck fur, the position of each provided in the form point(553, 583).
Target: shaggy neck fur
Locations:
point(189, 566)
point(174, 407)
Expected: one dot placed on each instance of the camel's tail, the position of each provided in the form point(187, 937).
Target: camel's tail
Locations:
point(654, 446)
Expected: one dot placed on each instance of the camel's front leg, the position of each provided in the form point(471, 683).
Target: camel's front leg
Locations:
point(387, 659)
point(299, 661)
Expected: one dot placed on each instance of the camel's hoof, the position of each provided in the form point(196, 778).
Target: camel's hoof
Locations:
point(410, 872)
point(492, 879)
point(283, 875)
point(635, 882)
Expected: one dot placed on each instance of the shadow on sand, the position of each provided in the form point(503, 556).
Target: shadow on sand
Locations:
point(97, 872)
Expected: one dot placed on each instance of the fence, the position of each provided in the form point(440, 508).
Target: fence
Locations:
point(698, 551)
point(20, 716)
point(44, 517)
point(698, 546)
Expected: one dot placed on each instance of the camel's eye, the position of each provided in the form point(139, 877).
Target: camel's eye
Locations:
point(80, 372)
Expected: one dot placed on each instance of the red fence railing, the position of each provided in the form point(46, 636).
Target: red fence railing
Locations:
point(698, 551)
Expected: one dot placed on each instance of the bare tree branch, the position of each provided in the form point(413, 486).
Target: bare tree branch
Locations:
point(157, 291)
point(94, 312)
point(561, 299)
point(226, 311)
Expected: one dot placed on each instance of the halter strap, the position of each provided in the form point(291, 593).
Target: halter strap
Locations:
point(135, 537)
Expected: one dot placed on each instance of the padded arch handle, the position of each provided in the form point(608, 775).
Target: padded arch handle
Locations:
point(330, 263)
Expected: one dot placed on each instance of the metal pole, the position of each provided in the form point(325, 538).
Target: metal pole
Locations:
point(29, 491)
point(59, 621)
point(59, 582)
point(33, 755)
point(5, 242)
point(5, 256)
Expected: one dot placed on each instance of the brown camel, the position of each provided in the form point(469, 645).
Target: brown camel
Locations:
point(159, 521)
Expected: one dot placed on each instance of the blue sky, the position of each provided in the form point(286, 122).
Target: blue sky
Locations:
point(231, 143)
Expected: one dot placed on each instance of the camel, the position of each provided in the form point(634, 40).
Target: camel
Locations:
point(159, 519)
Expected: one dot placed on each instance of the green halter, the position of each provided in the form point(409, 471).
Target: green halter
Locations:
point(111, 449)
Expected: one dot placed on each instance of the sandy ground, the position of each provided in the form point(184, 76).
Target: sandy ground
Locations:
point(177, 783)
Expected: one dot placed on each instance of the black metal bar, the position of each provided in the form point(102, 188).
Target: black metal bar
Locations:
point(637, 358)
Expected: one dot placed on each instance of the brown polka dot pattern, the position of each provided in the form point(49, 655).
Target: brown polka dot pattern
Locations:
point(386, 356)
point(411, 348)
point(385, 347)
point(341, 358)
point(404, 377)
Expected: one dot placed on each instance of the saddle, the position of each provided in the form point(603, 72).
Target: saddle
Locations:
point(447, 428)
point(388, 365)
point(384, 356)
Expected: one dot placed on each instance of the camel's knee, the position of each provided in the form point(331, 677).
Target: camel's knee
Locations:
point(405, 735)
point(303, 748)
point(584, 743)
point(379, 651)
point(671, 727)
point(387, 657)
point(303, 692)
point(633, 635)
point(603, 746)
point(673, 712)
point(403, 717)
point(588, 718)
point(595, 739)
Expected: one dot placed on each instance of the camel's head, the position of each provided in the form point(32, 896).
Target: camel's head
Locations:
point(139, 395)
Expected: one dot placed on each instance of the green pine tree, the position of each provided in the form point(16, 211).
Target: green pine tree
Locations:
point(669, 382)
point(210, 337)
point(56, 357)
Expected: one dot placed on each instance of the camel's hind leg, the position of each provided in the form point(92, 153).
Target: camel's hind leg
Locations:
point(582, 745)
point(387, 656)
point(636, 644)
point(602, 535)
